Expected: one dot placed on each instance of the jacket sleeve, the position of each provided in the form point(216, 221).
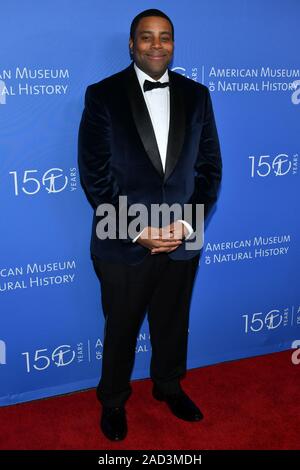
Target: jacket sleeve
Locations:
point(208, 167)
point(94, 157)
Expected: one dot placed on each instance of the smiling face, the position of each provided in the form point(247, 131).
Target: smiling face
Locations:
point(152, 46)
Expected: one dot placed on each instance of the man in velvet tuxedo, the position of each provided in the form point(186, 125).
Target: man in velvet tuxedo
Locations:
point(149, 134)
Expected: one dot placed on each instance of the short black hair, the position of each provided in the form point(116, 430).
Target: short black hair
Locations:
point(144, 14)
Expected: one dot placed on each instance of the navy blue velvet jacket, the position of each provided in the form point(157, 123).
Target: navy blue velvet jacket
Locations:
point(118, 155)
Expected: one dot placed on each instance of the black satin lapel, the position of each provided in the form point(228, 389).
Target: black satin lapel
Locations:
point(142, 120)
point(177, 126)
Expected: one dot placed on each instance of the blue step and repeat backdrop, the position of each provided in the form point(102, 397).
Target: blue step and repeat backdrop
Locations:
point(246, 298)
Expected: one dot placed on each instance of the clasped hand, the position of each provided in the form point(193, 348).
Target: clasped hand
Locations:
point(165, 239)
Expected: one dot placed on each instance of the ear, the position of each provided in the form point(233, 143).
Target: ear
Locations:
point(131, 48)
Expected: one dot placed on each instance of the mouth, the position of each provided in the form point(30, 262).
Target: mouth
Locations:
point(156, 57)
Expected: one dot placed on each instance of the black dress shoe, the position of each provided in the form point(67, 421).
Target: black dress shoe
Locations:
point(180, 405)
point(113, 423)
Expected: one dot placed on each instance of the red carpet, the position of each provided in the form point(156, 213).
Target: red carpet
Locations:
point(247, 404)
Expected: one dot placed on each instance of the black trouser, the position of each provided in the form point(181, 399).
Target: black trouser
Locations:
point(161, 286)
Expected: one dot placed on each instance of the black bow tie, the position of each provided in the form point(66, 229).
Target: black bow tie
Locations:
point(151, 85)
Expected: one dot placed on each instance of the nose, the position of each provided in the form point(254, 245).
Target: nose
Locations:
point(156, 44)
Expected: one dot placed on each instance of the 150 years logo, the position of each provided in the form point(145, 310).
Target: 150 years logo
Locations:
point(54, 180)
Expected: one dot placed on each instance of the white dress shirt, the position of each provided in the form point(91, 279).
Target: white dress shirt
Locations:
point(158, 105)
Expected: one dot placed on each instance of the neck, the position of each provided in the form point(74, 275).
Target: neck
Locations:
point(155, 76)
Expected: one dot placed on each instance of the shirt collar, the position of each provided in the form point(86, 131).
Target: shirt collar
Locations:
point(142, 76)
